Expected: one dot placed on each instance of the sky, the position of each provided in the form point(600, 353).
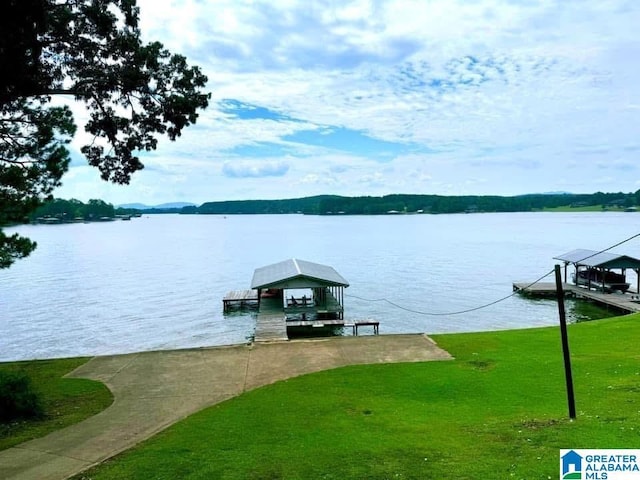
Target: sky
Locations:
point(449, 97)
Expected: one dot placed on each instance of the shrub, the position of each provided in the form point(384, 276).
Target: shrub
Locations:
point(18, 399)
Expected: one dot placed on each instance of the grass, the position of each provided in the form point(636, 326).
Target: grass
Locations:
point(497, 411)
point(65, 400)
point(588, 208)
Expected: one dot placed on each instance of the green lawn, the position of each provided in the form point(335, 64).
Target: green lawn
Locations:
point(589, 208)
point(65, 400)
point(497, 411)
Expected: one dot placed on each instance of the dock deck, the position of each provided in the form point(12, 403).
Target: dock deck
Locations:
point(340, 322)
point(274, 318)
point(627, 302)
point(271, 325)
point(239, 298)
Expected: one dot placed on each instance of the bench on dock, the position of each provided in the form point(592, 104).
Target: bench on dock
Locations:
point(367, 323)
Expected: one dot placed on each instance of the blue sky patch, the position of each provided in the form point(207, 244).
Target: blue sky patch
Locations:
point(261, 149)
point(347, 140)
point(248, 111)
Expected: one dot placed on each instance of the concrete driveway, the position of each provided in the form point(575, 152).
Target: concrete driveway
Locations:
point(153, 390)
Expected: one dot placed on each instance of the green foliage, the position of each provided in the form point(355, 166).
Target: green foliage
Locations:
point(96, 209)
point(89, 50)
point(497, 411)
point(14, 247)
point(309, 205)
point(68, 210)
point(337, 205)
point(18, 399)
point(64, 401)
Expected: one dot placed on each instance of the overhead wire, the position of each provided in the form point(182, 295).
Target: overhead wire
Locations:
point(486, 305)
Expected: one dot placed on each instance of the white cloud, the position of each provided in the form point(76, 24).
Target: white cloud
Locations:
point(490, 96)
point(255, 169)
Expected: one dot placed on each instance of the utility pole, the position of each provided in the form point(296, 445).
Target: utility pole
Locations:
point(565, 345)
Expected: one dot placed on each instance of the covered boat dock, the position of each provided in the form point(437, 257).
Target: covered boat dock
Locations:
point(297, 294)
point(596, 270)
point(594, 279)
point(326, 287)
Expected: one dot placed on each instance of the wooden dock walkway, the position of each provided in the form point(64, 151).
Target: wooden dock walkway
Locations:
point(626, 302)
point(239, 298)
point(271, 328)
point(271, 325)
point(540, 289)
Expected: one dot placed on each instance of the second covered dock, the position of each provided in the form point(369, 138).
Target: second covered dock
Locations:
point(296, 296)
point(594, 278)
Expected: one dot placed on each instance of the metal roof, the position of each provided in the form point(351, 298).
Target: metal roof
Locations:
point(296, 274)
point(591, 258)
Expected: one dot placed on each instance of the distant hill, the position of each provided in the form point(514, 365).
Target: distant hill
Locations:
point(175, 205)
point(137, 206)
point(414, 203)
point(142, 206)
point(309, 205)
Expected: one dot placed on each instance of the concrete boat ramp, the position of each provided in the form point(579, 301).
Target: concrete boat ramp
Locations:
point(153, 390)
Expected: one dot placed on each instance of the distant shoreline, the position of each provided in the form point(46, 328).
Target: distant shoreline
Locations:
point(399, 204)
point(68, 211)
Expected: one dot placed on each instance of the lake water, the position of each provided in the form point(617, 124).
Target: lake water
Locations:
point(157, 282)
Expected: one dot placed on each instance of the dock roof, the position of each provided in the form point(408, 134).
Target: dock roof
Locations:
point(592, 258)
point(295, 273)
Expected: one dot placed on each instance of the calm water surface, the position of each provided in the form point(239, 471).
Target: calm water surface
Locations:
point(157, 282)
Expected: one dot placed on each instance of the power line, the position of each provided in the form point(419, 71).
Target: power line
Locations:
point(480, 307)
point(459, 312)
point(609, 248)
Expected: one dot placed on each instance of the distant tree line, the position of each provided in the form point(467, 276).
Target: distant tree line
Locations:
point(338, 205)
point(95, 209)
point(70, 210)
point(308, 205)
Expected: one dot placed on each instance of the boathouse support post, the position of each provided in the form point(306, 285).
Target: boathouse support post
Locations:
point(565, 345)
